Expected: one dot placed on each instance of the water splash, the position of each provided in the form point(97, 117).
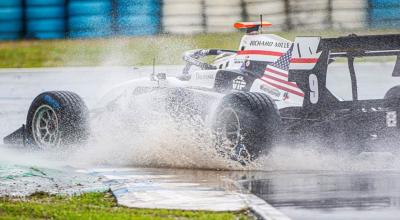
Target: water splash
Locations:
point(139, 132)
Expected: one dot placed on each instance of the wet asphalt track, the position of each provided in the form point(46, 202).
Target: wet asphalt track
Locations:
point(315, 192)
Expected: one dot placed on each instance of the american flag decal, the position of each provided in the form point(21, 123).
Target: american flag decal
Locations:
point(277, 75)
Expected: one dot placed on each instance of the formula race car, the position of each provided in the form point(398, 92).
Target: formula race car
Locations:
point(269, 91)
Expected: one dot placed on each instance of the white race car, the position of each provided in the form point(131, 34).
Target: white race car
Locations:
point(250, 97)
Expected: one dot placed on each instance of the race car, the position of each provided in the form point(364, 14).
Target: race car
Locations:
point(268, 92)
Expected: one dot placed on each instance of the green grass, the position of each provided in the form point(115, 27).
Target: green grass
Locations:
point(127, 51)
point(94, 206)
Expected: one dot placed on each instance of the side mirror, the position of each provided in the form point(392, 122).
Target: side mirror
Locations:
point(161, 76)
point(396, 70)
point(161, 79)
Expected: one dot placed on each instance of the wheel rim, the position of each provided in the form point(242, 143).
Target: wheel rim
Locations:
point(45, 127)
point(229, 137)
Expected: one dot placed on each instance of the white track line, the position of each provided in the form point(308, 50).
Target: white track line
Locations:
point(257, 205)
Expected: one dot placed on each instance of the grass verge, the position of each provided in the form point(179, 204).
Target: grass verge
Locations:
point(128, 51)
point(94, 206)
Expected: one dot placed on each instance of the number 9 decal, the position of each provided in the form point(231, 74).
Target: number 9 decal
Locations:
point(313, 83)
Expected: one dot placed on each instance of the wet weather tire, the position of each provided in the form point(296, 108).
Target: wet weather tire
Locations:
point(245, 125)
point(57, 118)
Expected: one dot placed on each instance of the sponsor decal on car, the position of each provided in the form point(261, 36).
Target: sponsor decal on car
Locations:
point(239, 83)
point(256, 43)
point(204, 76)
point(270, 91)
point(261, 43)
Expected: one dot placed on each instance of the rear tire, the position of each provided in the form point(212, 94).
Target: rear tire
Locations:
point(393, 93)
point(245, 126)
point(57, 118)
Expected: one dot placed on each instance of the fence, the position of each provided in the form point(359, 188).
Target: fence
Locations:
point(49, 19)
point(384, 13)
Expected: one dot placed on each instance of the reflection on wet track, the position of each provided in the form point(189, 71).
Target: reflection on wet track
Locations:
point(330, 195)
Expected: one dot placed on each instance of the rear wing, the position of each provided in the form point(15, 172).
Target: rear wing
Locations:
point(362, 45)
point(307, 50)
point(311, 56)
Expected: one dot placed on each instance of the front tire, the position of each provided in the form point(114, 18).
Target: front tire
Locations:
point(245, 126)
point(57, 118)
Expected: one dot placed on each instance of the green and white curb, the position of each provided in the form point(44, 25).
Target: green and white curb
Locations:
point(163, 189)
